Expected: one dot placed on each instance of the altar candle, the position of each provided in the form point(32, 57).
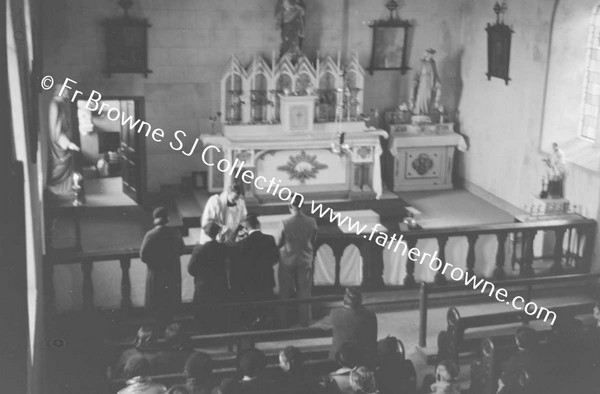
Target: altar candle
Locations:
point(273, 60)
point(339, 56)
point(317, 69)
point(253, 80)
point(232, 74)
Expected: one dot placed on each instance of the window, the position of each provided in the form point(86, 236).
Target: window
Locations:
point(590, 115)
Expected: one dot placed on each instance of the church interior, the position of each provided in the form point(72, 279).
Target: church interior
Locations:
point(380, 111)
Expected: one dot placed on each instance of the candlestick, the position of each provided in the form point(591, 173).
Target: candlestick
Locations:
point(253, 80)
point(317, 66)
point(232, 75)
point(339, 56)
point(273, 60)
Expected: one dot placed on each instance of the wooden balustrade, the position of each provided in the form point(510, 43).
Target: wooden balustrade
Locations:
point(577, 231)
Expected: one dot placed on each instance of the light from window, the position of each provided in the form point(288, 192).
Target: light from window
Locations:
point(590, 115)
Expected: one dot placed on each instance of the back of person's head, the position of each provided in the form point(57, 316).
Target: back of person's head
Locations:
point(137, 366)
point(362, 381)
point(252, 221)
point(160, 216)
point(525, 337)
point(447, 371)
point(179, 389)
point(290, 358)
point(212, 229)
point(350, 355)
point(176, 337)
point(237, 189)
point(252, 361)
point(296, 203)
point(198, 366)
point(388, 349)
point(353, 298)
point(145, 339)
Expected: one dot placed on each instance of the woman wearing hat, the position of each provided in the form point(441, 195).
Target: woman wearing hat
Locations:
point(160, 250)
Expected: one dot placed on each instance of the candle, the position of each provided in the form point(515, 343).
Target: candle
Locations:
point(253, 81)
point(339, 55)
point(232, 74)
point(317, 70)
point(273, 60)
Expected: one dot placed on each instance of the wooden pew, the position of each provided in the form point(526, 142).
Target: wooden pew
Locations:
point(486, 371)
point(314, 368)
point(452, 342)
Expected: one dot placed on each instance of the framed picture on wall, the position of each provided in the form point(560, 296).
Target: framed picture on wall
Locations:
point(499, 38)
point(126, 41)
point(390, 45)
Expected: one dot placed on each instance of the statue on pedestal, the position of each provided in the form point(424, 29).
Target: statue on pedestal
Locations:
point(426, 88)
point(290, 17)
point(556, 172)
point(61, 165)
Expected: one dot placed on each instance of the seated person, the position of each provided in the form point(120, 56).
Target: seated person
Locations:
point(208, 267)
point(394, 374)
point(198, 370)
point(252, 362)
point(294, 377)
point(446, 374)
point(362, 381)
point(354, 323)
point(528, 359)
point(137, 370)
point(144, 345)
point(175, 351)
point(338, 382)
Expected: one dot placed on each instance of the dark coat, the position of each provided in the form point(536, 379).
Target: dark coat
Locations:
point(160, 250)
point(358, 326)
point(207, 266)
point(538, 367)
point(255, 386)
point(252, 271)
point(169, 361)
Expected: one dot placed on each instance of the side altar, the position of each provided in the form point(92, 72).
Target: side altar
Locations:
point(302, 161)
point(422, 156)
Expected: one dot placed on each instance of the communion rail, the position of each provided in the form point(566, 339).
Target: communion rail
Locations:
point(572, 252)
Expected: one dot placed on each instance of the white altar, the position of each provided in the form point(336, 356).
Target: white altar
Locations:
point(423, 156)
point(303, 161)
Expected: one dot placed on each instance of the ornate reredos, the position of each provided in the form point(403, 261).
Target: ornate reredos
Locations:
point(249, 95)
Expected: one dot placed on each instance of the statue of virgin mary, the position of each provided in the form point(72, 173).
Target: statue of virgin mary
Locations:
point(290, 17)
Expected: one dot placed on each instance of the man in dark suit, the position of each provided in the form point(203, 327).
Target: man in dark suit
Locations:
point(160, 250)
point(354, 323)
point(252, 275)
point(529, 366)
point(253, 270)
point(207, 266)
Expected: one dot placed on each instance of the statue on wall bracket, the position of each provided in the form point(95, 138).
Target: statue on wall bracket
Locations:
point(290, 19)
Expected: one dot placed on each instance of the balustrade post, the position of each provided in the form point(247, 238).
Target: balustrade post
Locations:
point(125, 283)
point(423, 315)
point(440, 279)
point(499, 273)
point(471, 253)
point(588, 249)
point(557, 267)
point(409, 279)
point(88, 286)
point(526, 268)
point(372, 255)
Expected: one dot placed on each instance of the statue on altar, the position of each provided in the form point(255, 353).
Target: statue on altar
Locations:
point(426, 89)
point(290, 17)
point(555, 173)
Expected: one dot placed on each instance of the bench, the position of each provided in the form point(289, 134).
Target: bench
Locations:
point(453, 341)
point(313, 368)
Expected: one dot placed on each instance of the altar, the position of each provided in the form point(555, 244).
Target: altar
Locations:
point(423, 156)
point(302, 161)
point(297, 126)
